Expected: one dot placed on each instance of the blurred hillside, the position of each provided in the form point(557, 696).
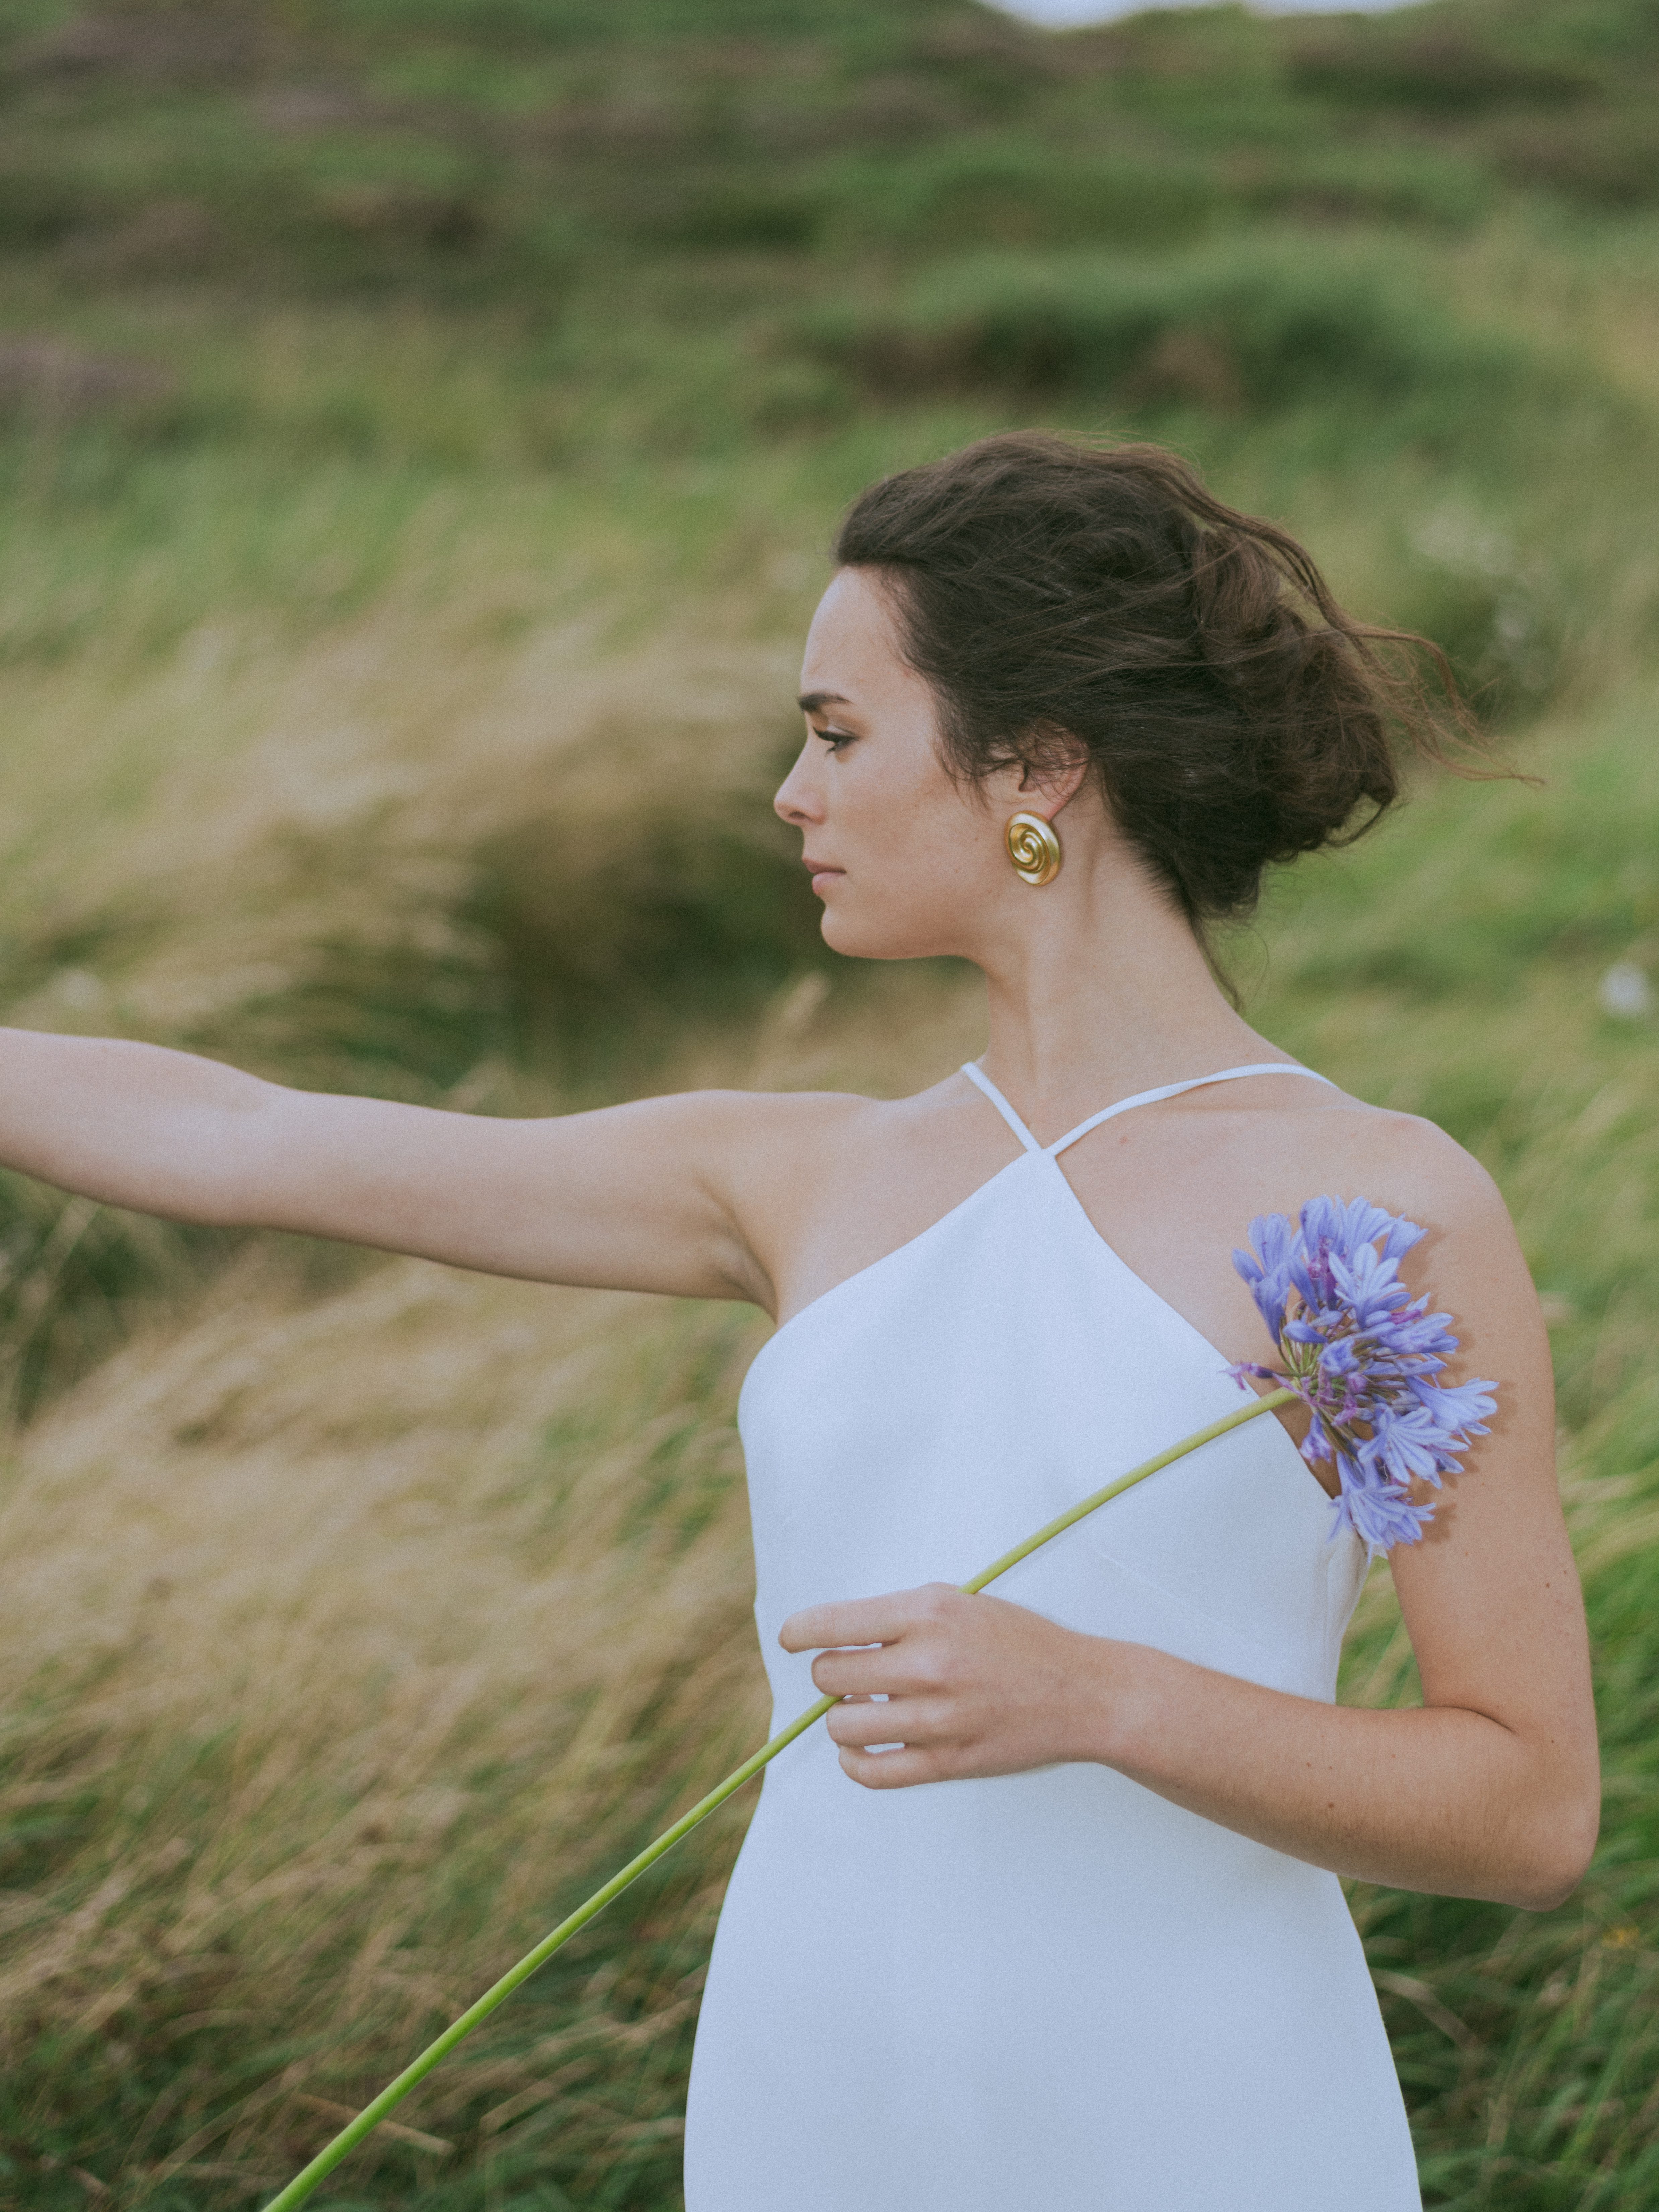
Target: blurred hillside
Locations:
point(421, 425)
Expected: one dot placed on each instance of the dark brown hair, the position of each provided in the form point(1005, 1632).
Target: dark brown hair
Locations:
point(1057, 594)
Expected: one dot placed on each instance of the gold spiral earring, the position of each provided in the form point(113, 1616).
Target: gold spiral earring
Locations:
point(1034, 848)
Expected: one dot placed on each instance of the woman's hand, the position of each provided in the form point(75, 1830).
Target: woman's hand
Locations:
point(1492, 1798)
point(973, 1686)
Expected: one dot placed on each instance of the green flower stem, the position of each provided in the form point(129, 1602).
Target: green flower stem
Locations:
point(1163, 1459)
point(394, 2093)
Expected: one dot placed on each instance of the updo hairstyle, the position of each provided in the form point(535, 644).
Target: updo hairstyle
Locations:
point(1060, 596)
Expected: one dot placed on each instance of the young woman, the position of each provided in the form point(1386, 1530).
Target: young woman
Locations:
point(1074, 1937)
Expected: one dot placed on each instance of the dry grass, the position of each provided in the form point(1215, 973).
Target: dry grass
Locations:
point(362, 1614)
point(352, 1639)
point(360, 1682)
point(289, 823)
point(361, 1618)
point(355, 1632)
point(403, 854)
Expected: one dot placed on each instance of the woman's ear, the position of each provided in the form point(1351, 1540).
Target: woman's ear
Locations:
point(1055, 783)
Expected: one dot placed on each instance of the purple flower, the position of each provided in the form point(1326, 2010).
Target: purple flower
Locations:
point(1363, 1355)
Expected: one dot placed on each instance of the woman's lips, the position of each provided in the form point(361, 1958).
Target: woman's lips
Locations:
point(822, 875)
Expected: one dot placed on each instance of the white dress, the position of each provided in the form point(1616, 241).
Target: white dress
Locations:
point(1054, 1990)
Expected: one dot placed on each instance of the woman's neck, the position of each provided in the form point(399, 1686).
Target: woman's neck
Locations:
point(1101, 993)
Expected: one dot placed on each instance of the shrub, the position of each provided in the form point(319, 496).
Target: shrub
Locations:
point(1443, 70)
point(40, 205)
point(1002, 194)
point(1611, 159)
point(1246, 328)
point(1409, 185)
point(730, 212)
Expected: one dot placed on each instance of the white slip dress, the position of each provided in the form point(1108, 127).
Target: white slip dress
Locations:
point(1050, 1989)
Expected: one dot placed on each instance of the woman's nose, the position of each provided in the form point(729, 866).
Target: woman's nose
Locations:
point(796, 801)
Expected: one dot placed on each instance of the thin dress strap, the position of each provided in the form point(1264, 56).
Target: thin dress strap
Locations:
point(978, 1075)
point(1175, 1089)
point(1141, 1098)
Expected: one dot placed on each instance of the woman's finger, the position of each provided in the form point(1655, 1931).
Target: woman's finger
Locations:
point(874, 1672)
point(912, 1721)
point(890, 1770)
point(863, 1620)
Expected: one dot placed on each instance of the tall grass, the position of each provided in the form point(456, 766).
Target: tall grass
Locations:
point(357, 1631)
point(420, 427)
point(352, 1633)
point(1453, 970)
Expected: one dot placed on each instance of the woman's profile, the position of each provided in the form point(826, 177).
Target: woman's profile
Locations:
point(1050, 1913)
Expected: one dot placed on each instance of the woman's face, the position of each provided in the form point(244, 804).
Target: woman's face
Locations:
point(908, 861)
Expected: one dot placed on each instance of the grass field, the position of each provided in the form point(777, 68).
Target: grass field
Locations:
point(421, 424)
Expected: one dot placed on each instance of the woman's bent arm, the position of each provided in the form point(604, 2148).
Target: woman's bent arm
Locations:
point(1489, 1789)
point(1451, 1799)
point(635, 1197)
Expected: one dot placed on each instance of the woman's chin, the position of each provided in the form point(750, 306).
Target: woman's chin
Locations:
point(867, 938)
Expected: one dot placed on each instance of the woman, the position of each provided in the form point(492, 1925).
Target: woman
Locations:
point(1074, 1938)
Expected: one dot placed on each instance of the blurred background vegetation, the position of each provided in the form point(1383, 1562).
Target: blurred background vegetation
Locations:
point(421, 424)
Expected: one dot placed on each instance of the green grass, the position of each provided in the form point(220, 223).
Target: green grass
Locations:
point(420, 430)
point(1452, 970)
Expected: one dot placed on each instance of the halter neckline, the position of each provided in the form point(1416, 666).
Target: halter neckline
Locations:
point(977, 1075)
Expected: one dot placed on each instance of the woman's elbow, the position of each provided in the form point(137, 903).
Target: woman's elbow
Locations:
point(1558, 1852)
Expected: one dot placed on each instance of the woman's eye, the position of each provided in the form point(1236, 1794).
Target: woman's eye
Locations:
point(835, 738)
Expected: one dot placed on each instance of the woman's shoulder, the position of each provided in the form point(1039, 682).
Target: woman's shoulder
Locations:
point(1407, 1163)
point(819, 1117)
point(825, 1181)
point(1413, 1156)
point(1469, 1262)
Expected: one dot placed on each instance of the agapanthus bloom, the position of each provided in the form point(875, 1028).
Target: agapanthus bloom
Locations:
point(1363, 1355)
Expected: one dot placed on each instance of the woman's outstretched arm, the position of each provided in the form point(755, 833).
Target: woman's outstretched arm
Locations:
point(632, 1197)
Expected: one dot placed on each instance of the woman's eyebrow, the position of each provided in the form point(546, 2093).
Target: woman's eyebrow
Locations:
point(813, 703)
